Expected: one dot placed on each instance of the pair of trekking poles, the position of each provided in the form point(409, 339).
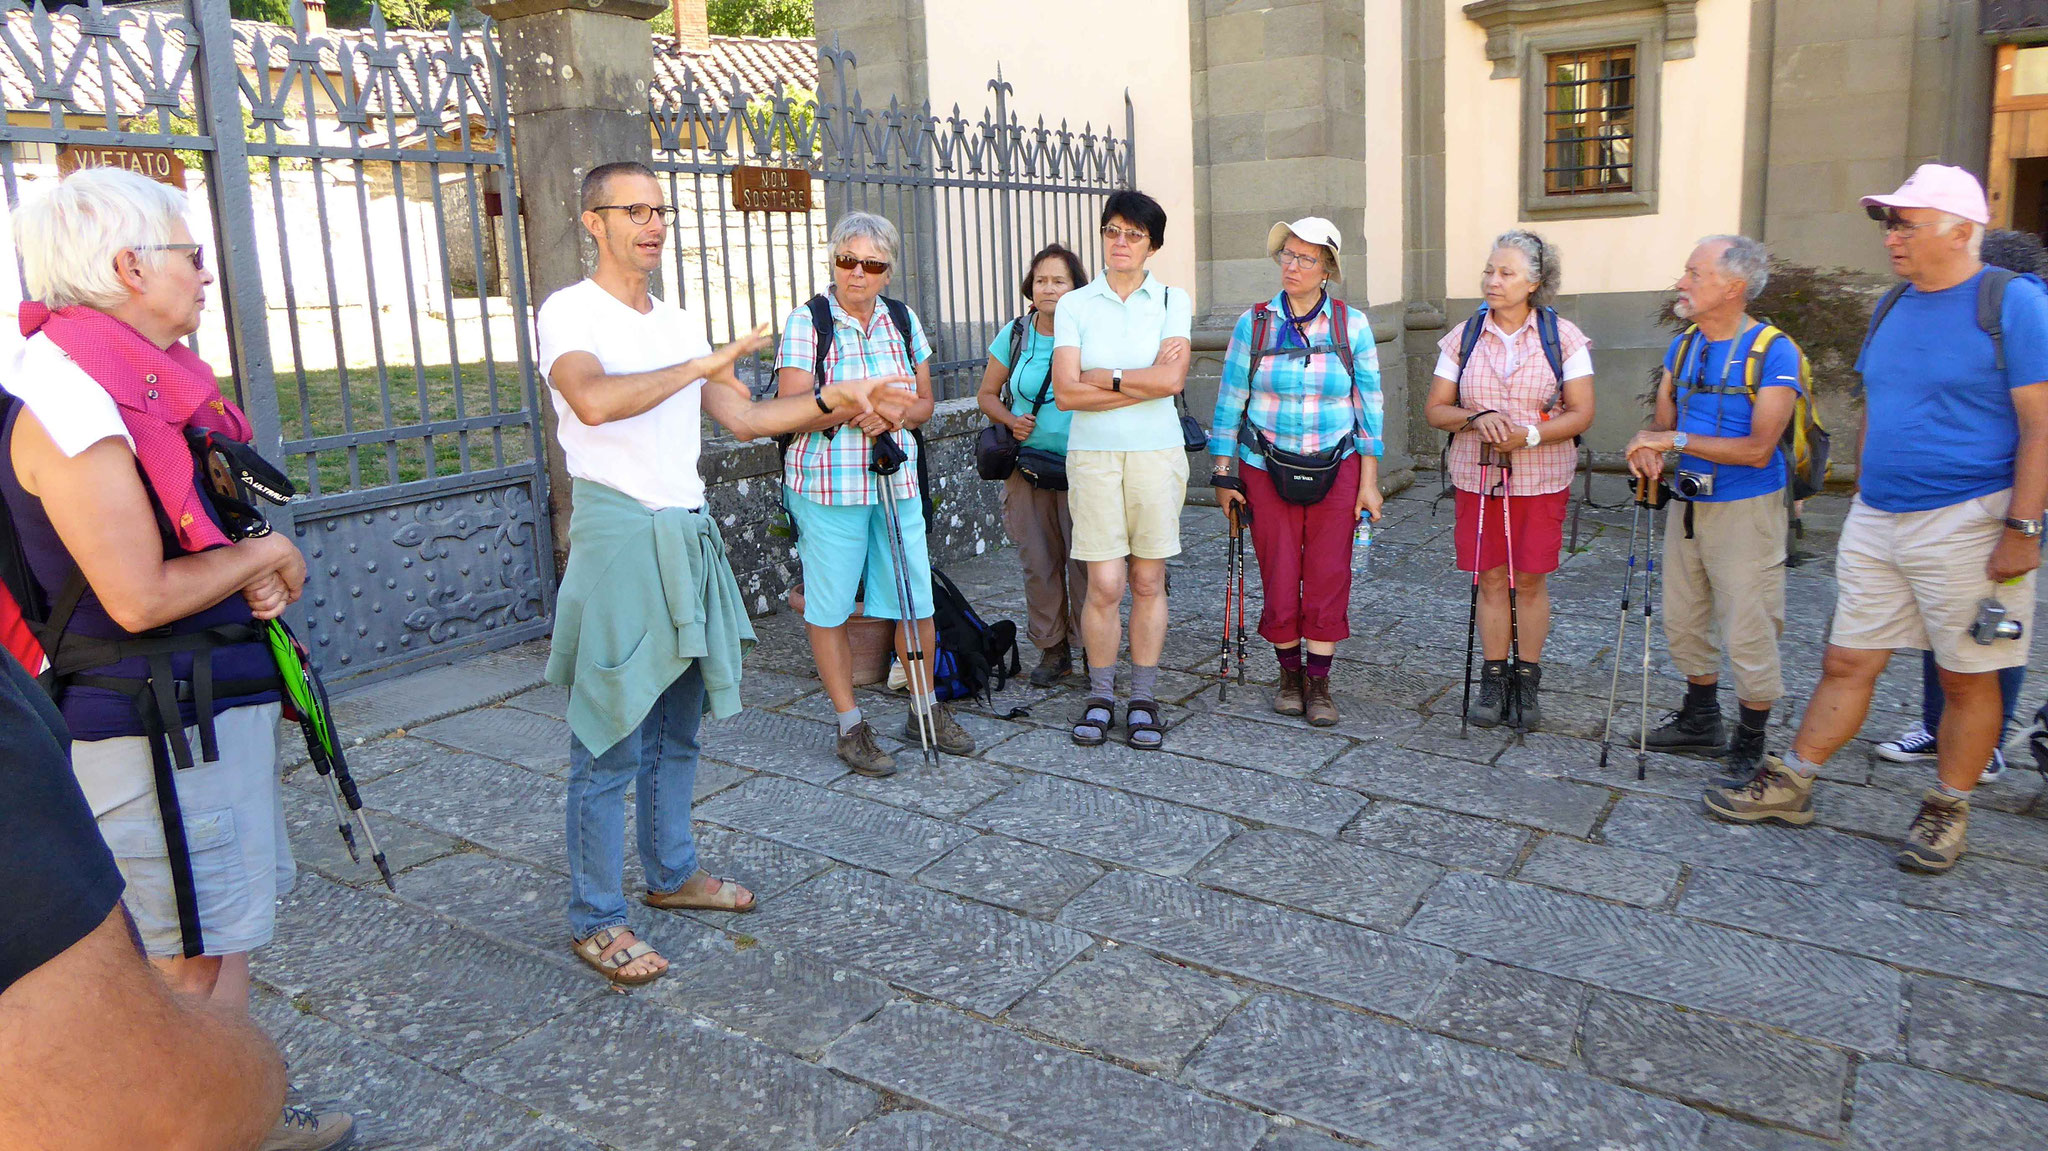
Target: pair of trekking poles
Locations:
point(1488, 460)
point(885, 460)
point(1653, 495)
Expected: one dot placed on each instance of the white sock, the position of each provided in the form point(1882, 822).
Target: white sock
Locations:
point(848, 720)
point(1950, 792)
point(931, 702)
point(1806, 770)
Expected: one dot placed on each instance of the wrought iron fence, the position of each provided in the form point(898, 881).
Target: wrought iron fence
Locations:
point(973, 200)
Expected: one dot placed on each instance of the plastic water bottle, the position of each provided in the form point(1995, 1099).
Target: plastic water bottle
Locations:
point(1361, 545)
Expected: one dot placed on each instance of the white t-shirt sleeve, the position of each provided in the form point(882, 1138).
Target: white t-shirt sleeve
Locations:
point(563, 327)
point(1446, 366)
point(75, 411)
point(1579, 364)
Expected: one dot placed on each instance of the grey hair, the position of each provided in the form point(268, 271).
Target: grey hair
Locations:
point(1544, 264)
point(1746, 260)
point(1948, 223)
point(68, 236)
point(866, 225)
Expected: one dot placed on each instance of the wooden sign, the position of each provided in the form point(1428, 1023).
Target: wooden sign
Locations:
point(756, 189)
point(159, 164)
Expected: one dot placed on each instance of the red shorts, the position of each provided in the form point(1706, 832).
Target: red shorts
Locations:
point(1538, 528)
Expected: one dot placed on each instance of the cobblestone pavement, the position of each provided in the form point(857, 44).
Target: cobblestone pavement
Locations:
point(1266, 936)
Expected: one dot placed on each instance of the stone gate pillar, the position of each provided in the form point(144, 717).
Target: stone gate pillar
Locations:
point(578, 73)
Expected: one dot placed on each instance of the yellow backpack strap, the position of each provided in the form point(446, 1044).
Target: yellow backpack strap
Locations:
point(1753, 367)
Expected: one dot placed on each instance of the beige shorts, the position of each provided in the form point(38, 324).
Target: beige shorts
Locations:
point(234, 831)
point(1914, 580)
point(1126, 503)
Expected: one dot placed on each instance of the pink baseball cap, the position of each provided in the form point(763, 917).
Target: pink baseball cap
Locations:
point(1942, 187)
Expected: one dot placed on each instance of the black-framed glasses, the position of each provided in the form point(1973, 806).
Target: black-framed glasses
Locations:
point(1110, 234)
point(849, 263)
point(194, 252)
point(641, 213)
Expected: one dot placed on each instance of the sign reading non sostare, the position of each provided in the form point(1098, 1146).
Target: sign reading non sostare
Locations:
point(758, 189)
point(159, 164)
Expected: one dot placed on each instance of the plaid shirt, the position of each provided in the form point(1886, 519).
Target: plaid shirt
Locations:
point(1300, 403)
point(831, 466)
point(1518, 394)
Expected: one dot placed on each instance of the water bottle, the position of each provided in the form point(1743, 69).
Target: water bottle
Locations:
point(1361, 545)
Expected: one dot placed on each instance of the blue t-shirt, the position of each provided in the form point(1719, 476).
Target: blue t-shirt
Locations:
point(1717, 414)
point(1940, 426)
point(1031, 375)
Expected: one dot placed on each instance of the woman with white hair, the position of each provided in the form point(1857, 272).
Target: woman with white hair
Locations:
point(148, 605)
point(1514, 387)
point(853, 332)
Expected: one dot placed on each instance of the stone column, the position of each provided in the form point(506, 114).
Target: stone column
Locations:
point(578, 74)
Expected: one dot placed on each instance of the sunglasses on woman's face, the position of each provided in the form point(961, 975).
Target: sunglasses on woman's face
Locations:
point(871, 267)
point(194, 252)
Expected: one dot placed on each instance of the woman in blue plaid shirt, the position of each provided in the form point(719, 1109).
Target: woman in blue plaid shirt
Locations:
point(1301, 377)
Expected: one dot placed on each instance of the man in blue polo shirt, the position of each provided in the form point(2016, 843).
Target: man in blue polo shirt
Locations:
point(1942, 541)
point(1724, 548)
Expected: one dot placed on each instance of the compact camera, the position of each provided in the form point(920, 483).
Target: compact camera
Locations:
point(1694, 485)
point(1992, 624)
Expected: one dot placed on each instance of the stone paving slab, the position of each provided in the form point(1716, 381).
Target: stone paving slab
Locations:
point(1728, 1066)
point(928, 942)
point(1735, 1135)
point(1400, 1088)
point(1525, 1012)
point(551, 699)
point(1021, 876)
point(1283, 750)
point(327, 932)
point(1454, 785)
point(1907, 1109)
point(1984, 888)
point(923, 1131)
point(1109, 825)
point(1376, 889)
point(1438, 735)
point(508, 733)
point(1259, 941)
point(411, 700)
point(317, 845)
point(1123, 1002)
point(1048, 1097)
point(785, 998)
point(1821, 994)
point(1295, 1139)
point(773, 742)
point(859, 831)
point(1457, 841)
point(1615, 873)
point(762, 866)
point(1802, 854)
point(1979, 1032)
point(509, 809)
point(1874, 811)
point(368, 761)
point(607, 1070)
point(1357, 719)
point(949, 789)
point(1253, 795)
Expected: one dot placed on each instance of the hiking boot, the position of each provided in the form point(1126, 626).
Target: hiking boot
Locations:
point(859, 751)
point(300, 1129)
point(1486, 711)
point(952, 738)
point(1915, 744)
point(1054, 664)
point(1692, 729)
point(1937, 837)
point(1743, 757)
point(1288, 700)
point(1774, 792)
point(1524, 713)
point(1316, 702)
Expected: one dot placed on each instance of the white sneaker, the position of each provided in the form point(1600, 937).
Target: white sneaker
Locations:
point(1995, 770)
point(300, 1129)
point(1913, 746)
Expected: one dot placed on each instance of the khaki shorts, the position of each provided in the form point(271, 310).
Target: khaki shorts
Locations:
point(1914, 580)
point(1126, 503)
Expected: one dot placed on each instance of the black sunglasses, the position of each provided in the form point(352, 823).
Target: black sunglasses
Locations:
point(871, 267)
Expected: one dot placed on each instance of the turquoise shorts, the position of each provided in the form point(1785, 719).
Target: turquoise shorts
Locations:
point(844, 546)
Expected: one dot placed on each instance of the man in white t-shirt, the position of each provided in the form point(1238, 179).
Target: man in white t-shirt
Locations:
point(630, 376)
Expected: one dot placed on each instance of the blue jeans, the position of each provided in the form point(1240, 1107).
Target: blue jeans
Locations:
point(2009, 681)
point(659, 758)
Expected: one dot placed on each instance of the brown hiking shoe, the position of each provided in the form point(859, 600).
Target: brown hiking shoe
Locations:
point(1316, 702)
point(859, 751)
point(1774, 792)
point(953, 739)
point(1288, 701)
point(1938, 835)
point(1054, 664)
point(301, 1129)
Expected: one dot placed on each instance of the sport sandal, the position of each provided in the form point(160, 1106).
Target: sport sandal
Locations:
point(1144, 734)
point(1090, 731)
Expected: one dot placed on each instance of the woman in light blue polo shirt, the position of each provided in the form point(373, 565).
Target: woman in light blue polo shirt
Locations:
point(1034, 500)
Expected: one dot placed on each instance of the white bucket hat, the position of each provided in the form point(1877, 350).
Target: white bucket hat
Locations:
point(1314, 230)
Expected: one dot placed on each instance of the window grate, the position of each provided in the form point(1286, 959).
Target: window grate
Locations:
point(1589, 121)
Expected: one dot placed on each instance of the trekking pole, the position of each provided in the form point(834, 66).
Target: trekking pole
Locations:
point(1472, 611)
point(1242, 522)
point(1628, 581)
point(916, 673)
point(1507, 526)
point(1229, 576)
point(1649, 602)
point(308, 698)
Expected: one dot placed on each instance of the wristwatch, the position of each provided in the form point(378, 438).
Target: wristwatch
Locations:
point(1679, 440)
point(1116, 379)
point(2028, 528)
point(1535, 437)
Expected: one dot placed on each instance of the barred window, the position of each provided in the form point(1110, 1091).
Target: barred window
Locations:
point(1589, 121)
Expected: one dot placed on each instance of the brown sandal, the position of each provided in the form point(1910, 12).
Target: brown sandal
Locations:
point(716, 899)
point(592, 951)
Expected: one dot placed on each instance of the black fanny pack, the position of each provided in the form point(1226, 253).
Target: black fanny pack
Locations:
point(1045, 470)
point(995, 452)
point(1298, 478)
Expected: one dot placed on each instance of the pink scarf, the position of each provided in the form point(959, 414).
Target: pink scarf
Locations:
point(160, 392)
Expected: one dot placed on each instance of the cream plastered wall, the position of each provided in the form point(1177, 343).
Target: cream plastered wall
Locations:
point(1075, 59)
point(1700, 156)
point(1385, 153)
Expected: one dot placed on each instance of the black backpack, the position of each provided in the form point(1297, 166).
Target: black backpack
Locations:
point(975, 658)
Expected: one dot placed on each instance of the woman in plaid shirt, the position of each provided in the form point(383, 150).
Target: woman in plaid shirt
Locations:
point(1300, 398)
point(1510, 404)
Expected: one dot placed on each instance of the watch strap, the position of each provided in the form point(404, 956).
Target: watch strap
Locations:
point(818, 395)
point(2029, 528)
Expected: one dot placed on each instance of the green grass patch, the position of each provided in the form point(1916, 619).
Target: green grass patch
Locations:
point(320, 404)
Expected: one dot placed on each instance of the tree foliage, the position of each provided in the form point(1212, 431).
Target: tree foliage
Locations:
point(426, 14)
point(1826, 310)
point(749, 18)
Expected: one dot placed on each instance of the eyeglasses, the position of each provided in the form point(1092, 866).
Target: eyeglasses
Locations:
point(640, 213)
point(1111, 233)
point(849, 263)
point(195, 252)
point(1894, 224)
point(1289, 259)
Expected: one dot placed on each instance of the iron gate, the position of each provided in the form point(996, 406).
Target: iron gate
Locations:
point(355, 192)
point(972, 199)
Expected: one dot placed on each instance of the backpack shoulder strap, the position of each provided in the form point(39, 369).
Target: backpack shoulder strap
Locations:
point(1340, 327)
point(822, 335)
point(1553, 351)
point(1016, 347)
point(1877, 315)
point(1753, 365)
point(899, 314)
point(1468, 339)
point(1262, 327)
point(1991, 309)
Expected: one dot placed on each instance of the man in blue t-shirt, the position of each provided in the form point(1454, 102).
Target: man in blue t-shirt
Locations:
point(1724, 549)
point(1946, 529)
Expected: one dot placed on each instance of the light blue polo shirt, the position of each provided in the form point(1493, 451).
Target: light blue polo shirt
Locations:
point(1117, 333)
